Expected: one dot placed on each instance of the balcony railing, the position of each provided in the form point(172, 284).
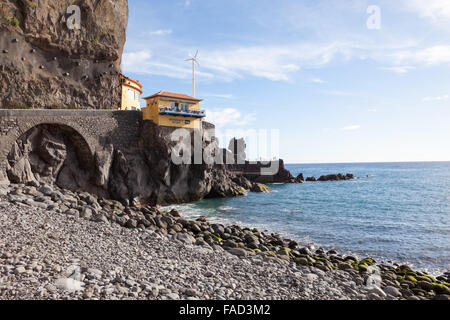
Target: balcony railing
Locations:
point(182, 112)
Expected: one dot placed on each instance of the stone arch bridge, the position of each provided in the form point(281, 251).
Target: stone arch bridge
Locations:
point(90, 130)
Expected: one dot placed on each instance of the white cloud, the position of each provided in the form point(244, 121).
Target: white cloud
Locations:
point(276, 63)
point(160, 32)
point(371, 110)
point(327, 40)
point(132, 60)
point(435, 55)
point(351, 128)
point(218, 95)
point(439, 98)
point(317, 80)
point(435, 10)
point(400, 69)
point(339, 93)
point(228, 117)
point(143, 62)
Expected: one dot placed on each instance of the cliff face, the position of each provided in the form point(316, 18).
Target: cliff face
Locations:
point(44, 64)
point(141, 173)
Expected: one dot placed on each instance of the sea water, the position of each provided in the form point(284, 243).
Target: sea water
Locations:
point(396, 212)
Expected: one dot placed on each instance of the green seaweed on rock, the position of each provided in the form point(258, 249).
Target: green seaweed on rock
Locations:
point(368, 261)
point(410, 278)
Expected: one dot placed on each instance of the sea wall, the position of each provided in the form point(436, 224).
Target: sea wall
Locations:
point(113, 154)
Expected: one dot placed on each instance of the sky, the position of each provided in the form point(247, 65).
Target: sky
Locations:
point(339, 81)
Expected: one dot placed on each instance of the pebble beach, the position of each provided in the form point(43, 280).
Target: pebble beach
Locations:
point(58, 244)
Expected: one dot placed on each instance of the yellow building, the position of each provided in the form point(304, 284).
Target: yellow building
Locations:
point(173, 110)
point(131, 93)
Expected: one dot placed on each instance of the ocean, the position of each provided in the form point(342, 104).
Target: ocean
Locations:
point(395, 212)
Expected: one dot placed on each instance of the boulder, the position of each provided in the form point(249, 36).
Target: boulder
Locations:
point(185, 238)
point(175, 213)
point(238, 252)
point(132, 224)
point(86, 213)
point(300, 178)
point(392, 291)
point(336, 177)
point(260, 188)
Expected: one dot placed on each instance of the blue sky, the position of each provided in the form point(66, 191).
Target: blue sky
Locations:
point(336, 90)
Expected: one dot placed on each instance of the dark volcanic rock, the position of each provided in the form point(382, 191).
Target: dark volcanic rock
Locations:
point(147, 172)
point(254, 171)
point(260, 188)
point(300, 178)
point(44, 64)
point(336, 177)
point(142, 173)
point(242, 181)
point(48, 154)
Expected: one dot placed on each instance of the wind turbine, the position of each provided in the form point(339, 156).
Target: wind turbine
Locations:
point(194, 61)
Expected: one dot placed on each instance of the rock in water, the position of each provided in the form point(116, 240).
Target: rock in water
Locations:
point(260, 188)
point(336, 177)
point(42, 31)
point(300, 178)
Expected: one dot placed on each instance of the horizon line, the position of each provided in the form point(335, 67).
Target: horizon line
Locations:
point(368, 162)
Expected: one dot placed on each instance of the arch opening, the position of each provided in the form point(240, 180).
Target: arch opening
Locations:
point(52, 154)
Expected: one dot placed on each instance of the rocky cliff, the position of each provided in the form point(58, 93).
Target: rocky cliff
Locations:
point(46, 61)
point(45, 64)
point(142, 172)
point(146, 173)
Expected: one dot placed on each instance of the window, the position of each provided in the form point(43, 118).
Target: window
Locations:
point(130, 94)
point(136, 96)
point(174, 105)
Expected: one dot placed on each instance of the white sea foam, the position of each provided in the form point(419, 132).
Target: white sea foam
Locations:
point(227, 208)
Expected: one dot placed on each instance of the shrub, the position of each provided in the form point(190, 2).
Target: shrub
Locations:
point(32, 4)
point(13, 21)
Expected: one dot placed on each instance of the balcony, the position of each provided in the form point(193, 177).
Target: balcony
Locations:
point(182, 112)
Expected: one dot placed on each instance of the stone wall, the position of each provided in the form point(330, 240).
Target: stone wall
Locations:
point(97, 128)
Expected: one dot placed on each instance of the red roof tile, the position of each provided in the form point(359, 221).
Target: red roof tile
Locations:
point(174, 95)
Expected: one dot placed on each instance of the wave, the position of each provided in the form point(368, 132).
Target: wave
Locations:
point(227, 208)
